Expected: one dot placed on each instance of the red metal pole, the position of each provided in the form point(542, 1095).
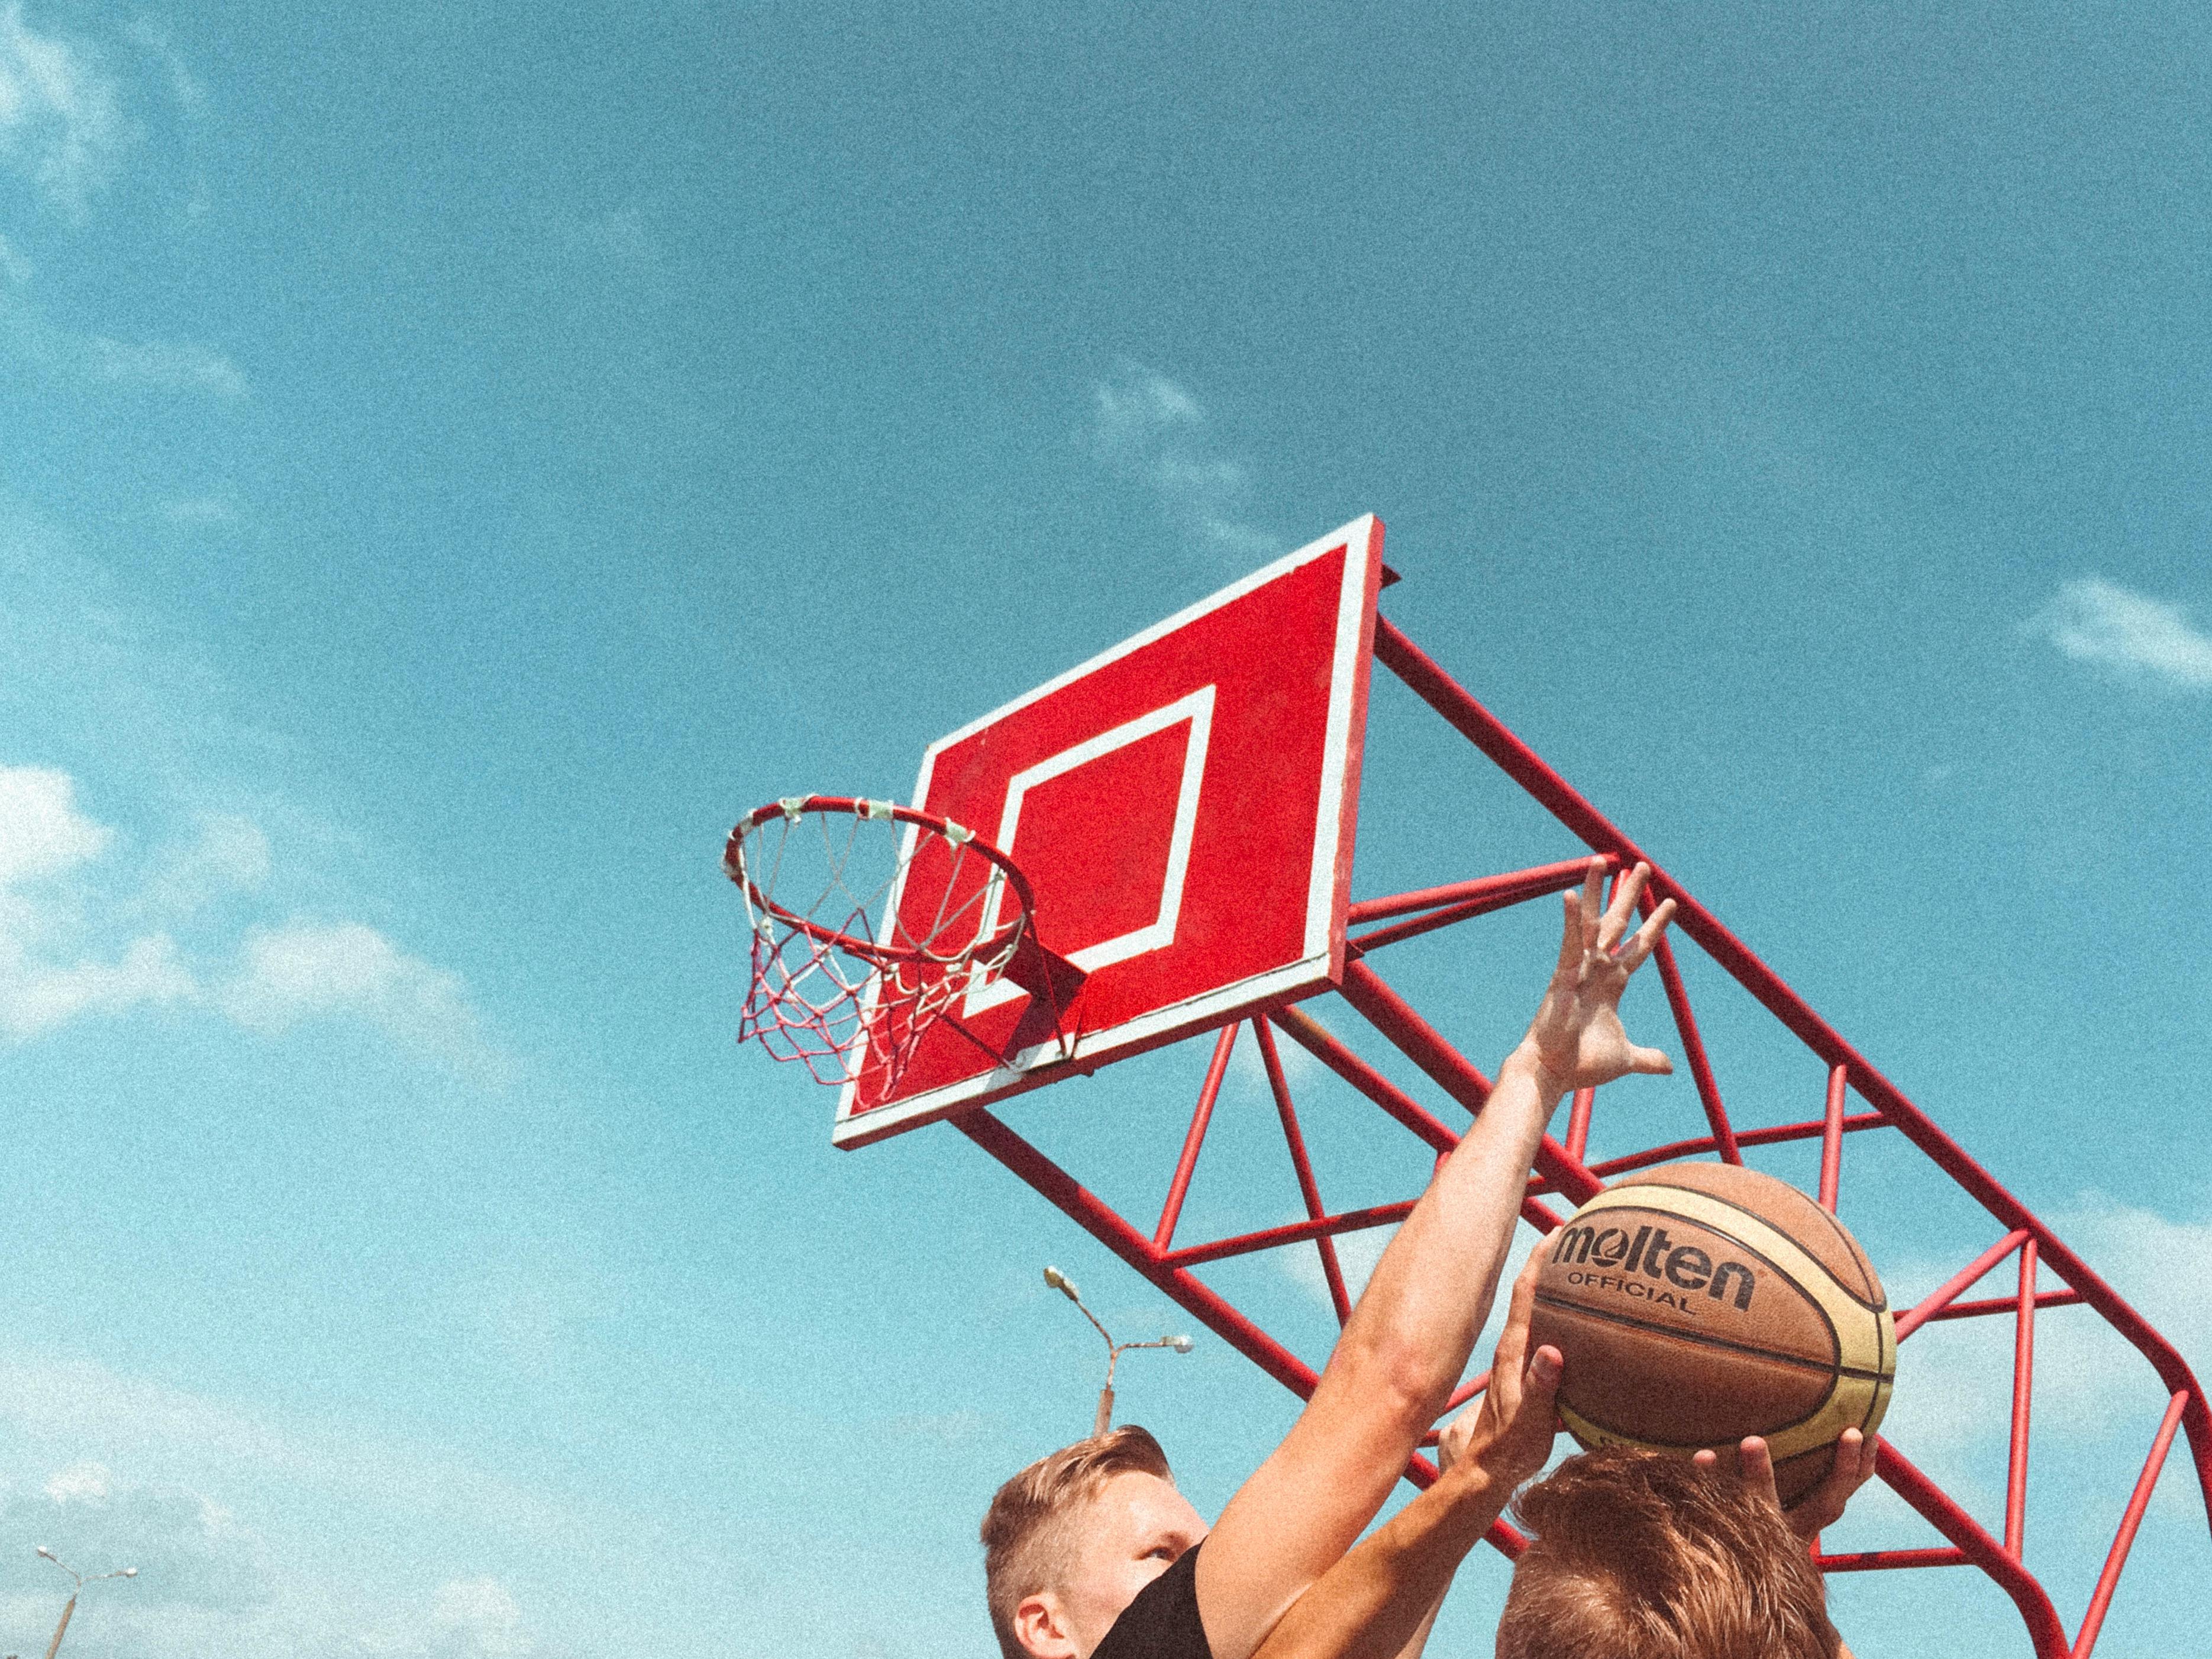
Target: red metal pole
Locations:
point(1693, 1049)
point(1579, 1123)
point(1526, 767)
point(1309, 1188)
point(1420, 1042)
point(1172, 1212)
point(1295, 1233)
point(1097, 1217)
point(1980, 1549)
point(2023, 1383)
point(1674, 1152)
point(1318, 1041)
point(2003, 1304)
point(1492, 893)
point(1532, 883)
point(1831, 1138)
point(2139, 1500)
point(1964, 1279)
point(1882, 1560)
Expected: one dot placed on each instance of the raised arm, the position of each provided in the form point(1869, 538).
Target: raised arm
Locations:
point(1407, 1341)
point(1381, 1599)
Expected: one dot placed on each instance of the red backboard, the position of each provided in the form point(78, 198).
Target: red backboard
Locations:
point(1184, 807)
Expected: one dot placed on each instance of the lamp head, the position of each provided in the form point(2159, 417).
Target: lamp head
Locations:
point(1180, 1343)
point(1061, 1282)
point(130, 1572)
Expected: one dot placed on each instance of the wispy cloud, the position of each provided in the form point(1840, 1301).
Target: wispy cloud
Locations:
point(61, 123)
point(306, 970)
point(73, 942)
point(207, 1581)
point(2126, 633)
point(164, 366)
point(1951, 1412)
point(180, 366)
point(200, 512)
point(152, 38)
point(1146, 426)
point(67, 130)
point(43, 839)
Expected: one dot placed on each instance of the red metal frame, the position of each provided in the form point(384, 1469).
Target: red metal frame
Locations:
point(1561, 1170)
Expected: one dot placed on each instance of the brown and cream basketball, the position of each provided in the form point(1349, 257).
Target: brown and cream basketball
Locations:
point(1700, 1303)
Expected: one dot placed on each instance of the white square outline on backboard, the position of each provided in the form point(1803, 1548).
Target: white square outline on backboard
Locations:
point(1310, 972)
point(1196, 709)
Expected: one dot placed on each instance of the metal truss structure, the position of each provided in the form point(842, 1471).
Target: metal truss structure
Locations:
point(1561, 1173)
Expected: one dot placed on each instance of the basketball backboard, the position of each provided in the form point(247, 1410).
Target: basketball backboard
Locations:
point(1184, 807)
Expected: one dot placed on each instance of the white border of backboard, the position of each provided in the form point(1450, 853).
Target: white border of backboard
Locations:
point(1197, 710)
point(1309, 973)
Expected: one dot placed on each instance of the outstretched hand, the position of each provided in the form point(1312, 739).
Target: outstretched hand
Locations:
point(1819, 1509)
point(1577, 1040)
point(1509, 1435)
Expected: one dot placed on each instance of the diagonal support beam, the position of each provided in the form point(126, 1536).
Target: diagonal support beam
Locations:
point(1308, 1189)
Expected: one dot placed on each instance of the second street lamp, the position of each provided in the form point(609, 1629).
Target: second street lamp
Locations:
point(1061, 1282)
point(70, 1606)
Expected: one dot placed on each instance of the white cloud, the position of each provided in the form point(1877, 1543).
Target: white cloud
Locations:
point(2092, 1391)
point(154, 39)
point(41, 831)
point(478, 1616)
point(2101, 623)
point(62, 125)
point(228, 855)
point(1356, 1256)
point(79, 1482)
point(34, 999)
point(306, 971)
point(199, 510)
point(54, 892)
point(111, 1471)
point(43, 837)
point(2163, 1267)
point(165, 366)
point(1148, 426)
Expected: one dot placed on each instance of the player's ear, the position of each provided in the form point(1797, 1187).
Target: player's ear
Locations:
point(1041, 1626)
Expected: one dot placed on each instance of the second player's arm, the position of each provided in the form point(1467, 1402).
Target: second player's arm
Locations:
point(1407, 1341)
point(1379, 1601)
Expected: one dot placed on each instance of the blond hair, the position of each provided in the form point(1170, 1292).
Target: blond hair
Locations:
point(1027, 1546)
point(1639, 1555)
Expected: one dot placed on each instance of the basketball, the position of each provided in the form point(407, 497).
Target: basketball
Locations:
point(1697, 1303)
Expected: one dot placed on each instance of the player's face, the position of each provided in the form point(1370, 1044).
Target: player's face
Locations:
point(1130, 1534)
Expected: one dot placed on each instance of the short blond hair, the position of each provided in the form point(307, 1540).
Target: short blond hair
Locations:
point(1640, 1555)
point(1027, 1547)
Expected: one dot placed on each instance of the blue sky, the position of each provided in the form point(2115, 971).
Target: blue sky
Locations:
point(454, 460)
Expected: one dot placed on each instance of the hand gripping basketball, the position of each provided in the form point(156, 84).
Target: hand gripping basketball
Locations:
point(1577, 1040)
point(1508, 1434)
point(1819, 1509)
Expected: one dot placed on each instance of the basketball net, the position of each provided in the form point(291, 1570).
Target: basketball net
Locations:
point(868, 921)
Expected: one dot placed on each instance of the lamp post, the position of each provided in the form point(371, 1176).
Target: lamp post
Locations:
point(1061, 1282)
point(70, 1606)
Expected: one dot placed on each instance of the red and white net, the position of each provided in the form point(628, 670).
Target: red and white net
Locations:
point(867, 926)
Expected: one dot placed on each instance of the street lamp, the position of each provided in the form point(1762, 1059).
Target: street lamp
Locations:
point(70, 1607)
point(1061, 1282)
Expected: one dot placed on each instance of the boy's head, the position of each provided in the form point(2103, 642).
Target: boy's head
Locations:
point(1639, 1555)
point(1069, 1541)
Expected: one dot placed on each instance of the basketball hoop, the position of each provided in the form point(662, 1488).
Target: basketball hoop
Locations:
point(868, 921)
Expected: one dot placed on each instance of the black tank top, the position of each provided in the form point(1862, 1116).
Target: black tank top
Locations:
point(1162, 1623)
